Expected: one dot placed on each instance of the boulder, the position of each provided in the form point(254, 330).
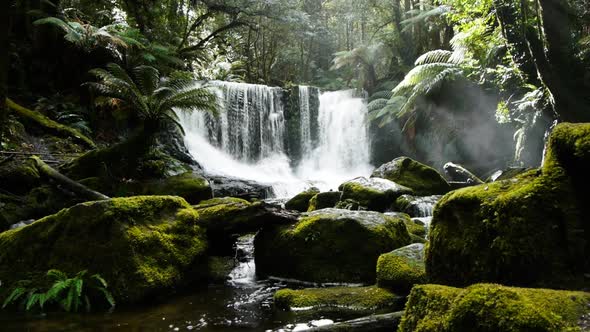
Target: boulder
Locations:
point(324, 200)
point(190, 186)
point(225, 186)
point(417, 206)
point(301, 201)
point(490, 308)
point(528, 230)
point(329, 245)
point(226, 218)
point(375, 194)
point(459, 173)
point(402, 268)
point(413, 227)
point(142, 246)
point(422, 179)
point(369, 299)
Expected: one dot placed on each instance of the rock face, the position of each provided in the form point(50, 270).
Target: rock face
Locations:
point(227, 186)
point(324, 200)
point(422, 179)
point(489, 307)
point(329, 245)
point(375, 194)
point(353, 298)
point(141, 245)
point(402, 268)
point(301, 201)
point(523, 230)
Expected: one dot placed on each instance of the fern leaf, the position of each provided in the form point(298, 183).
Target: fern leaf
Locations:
point(107, 295)
point(57, 274)
point(433, 57)
point(14, 296)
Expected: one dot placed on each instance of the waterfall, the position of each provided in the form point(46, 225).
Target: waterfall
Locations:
point(305, 121)
point(247, 138)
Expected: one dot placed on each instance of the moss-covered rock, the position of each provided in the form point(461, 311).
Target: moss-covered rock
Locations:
point(422, 179)
point(369, 298)
point(402, 268)
point(491, 308)
point(329, 245)
point(226, 218)
point(375, 194)
point(190, 186)
point(413, 227)
point(19, 176)
point(523, 230)
point(301, 201)
point(220, 267)
point(324, 200)
point(140, 245)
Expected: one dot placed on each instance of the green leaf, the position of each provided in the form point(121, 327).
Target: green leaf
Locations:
point(15, 295)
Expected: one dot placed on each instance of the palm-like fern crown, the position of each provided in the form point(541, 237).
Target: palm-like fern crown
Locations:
point(153, 98)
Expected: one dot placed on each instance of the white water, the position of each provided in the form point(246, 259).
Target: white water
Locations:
point(252, 114)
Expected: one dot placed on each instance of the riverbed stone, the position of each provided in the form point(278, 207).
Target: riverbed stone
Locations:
point(491, 307)
point(366, 299)
point(142, 246)
point(301, 201)
point(402, 268)
point(324, 200)
point(422, 179)
point(329, 245)
point(374, 194)
point(530, 230)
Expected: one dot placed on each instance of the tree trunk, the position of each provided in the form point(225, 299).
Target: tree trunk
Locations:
point(4, 26)
point(66, 182)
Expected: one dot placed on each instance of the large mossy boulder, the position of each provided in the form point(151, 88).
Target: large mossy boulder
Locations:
point(374, 194)
point(402, 268)
point(366, 299)
point(301, 201)
point(529, 230)
point(329, 245)
point(324, 200)
point(141, 245)
point(190, 186)
point(492, 308)
point(226, 218)
point(422, 179)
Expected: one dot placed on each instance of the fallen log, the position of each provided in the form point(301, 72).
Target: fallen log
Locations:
point(66, 182)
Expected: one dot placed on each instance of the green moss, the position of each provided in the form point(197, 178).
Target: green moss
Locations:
point(373, 194)
point(141, 245)
point(220, 267)
point(424, 180)
point(369, 298)
point(19, 176)
point(192, 187)
point(324, 200)
point(515, 232)
point(490, 308)
point(302, 200)
point(43, 121)
point(329, 245)
point(402, 268)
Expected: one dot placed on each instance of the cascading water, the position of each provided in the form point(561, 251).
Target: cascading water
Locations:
point(247, 139)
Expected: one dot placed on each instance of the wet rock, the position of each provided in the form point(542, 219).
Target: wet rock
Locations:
point(366, 299)
point(301, 201)
point(324, 200)
point(422, 179)
point(226, 218)
point(402, 268)
point(413, 227)
point(508, 173)
point(375, 194)
point(490, 307)
point(142, 246)
point(522, 230)
point(417, 206)
point(459, 173)
point(233, 187)
point(374, 323)
point(329, 245)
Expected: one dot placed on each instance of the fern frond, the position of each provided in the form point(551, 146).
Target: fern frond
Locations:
point(376, 105)
point(56, 274)
point(381, 95)
point(433, 57)
point(14, 296)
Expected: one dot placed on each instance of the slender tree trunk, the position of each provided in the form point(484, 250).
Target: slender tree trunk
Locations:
point(5, 9)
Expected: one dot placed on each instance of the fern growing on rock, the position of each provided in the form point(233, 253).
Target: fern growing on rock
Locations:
point(70, 294)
